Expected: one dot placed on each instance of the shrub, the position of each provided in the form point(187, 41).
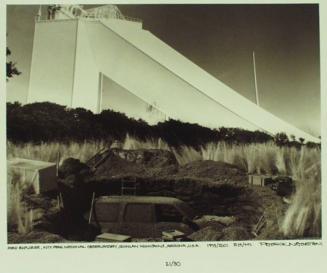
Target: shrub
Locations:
point(50, 122)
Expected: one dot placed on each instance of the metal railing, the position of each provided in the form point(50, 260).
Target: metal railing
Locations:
point(105, 12)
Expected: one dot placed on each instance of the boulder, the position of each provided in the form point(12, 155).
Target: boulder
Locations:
point(72, 166)
point(208, 233)
point(207, 219)
point(285, 186)
point(235, 233)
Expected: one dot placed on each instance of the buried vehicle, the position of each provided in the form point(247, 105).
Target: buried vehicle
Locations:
point(141, 216)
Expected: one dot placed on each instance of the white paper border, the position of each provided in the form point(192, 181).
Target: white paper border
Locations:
point(275, 259)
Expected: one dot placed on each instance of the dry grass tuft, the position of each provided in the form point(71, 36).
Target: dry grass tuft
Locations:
point(303, 218)
point(19, 217)
point(49, 151)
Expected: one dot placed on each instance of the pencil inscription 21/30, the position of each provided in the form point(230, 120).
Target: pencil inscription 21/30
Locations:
point(173, 263)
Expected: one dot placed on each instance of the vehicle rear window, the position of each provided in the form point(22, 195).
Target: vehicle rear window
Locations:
point(107, 212)
point(168, 213)
point(138, 213)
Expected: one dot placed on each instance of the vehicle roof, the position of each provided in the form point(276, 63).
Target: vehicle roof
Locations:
point(138, 199)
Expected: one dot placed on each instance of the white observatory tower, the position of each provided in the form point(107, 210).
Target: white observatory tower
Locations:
point(65, 67)
point(101, 59)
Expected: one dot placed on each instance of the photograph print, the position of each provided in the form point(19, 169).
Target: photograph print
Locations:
point(163, 123)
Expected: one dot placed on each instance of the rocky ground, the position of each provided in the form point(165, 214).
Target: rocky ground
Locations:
point(209, 187)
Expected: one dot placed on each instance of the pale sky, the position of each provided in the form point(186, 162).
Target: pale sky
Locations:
point(220, 39)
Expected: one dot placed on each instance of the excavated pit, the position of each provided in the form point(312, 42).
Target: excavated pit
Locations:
point(210, 188)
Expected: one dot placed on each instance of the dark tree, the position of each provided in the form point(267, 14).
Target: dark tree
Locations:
point(281, 139)
point(45, 121)
point(310, 144)
point(11, 66)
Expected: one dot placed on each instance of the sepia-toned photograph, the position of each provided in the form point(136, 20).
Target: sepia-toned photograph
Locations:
point(163, 123)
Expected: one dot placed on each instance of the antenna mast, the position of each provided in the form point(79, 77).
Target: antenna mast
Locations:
point(255, 81)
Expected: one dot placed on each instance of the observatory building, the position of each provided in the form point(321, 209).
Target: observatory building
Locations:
point(100, 59)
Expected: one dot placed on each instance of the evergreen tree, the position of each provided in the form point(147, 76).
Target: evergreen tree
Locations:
point(11, 66)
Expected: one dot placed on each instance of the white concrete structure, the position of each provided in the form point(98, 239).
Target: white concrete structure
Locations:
point(99, 59)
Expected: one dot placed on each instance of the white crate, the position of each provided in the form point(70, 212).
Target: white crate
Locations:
point(40, 174)
point(258, 179)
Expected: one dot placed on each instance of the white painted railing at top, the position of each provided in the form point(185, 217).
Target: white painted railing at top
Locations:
point(76, 11)
point(107, 13)
point(89, 18)
point(126, 18)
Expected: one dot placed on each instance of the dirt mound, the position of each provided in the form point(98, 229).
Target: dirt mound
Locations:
point(215, 170)
point(161, 163)
point(113, 166)
point(118, 162)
